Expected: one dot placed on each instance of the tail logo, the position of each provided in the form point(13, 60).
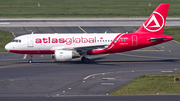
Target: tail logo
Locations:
point(154, 23)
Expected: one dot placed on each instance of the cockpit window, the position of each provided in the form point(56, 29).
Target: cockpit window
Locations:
point(17, 40)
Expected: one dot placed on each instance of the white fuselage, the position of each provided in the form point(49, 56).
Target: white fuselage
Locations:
point(56, 41)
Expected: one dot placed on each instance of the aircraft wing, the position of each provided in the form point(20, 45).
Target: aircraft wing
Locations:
point(86, 47)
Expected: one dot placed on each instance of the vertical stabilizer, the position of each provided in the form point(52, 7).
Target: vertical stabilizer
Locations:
point(156, 21)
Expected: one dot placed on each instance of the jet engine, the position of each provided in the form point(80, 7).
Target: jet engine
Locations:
point(63, 55)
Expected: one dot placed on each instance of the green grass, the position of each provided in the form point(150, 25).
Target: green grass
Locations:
point(175, 32)
point(83, 8)
point(5, 37)
point(151, 84)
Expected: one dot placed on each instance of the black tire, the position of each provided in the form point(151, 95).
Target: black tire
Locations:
point(30, 61)
point(53, 57)
point(85, 60)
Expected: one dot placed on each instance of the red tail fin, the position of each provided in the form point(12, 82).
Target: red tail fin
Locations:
point(156, 21)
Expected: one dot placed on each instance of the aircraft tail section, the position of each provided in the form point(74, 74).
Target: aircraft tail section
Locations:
point(156, 21)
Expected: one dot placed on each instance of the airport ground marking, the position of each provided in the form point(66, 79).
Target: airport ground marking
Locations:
point(13, 66)
point(176, 41)
point(96, 75)
point(130, 71)
point(25, 56)
point(82, 29)
point(5, 23)
point(11, 80)
point(166, 71)
point(107, 84)
point(145, 56)
point(108, 78)
point(98, 56)
point(127, 62)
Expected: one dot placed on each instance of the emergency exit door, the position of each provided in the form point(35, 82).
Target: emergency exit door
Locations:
point(30, 41)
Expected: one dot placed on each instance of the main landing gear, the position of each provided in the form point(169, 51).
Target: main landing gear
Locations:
point(30, 60)
point(85, 60)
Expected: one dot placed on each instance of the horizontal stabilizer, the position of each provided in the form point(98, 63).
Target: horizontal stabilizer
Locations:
point(155, 39)
point(159, 38)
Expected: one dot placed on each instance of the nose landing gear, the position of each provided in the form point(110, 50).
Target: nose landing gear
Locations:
point(30, 60)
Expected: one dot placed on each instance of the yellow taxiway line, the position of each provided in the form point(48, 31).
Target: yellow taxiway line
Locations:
point(82, 29)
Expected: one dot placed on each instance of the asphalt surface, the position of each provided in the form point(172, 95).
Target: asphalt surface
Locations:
point(98, 98)
point(100, 29)
point(72, 80)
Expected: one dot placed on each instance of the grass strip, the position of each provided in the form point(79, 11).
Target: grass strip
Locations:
point(83, 8)
point(175, 32)
point(151, 84)
point(5, 37)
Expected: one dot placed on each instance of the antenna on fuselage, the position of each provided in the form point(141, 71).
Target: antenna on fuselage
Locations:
point(32, 33)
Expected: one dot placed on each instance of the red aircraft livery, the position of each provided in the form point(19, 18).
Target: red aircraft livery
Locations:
point(67, 46)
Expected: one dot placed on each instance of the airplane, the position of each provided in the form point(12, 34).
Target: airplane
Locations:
point(65, 47)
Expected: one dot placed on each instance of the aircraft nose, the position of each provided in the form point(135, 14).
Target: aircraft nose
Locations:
point(7, 47)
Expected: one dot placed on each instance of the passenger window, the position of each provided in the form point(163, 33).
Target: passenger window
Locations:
point(19, 41)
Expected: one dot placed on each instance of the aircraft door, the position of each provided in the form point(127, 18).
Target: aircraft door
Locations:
point(134, 40)
point(30, 41)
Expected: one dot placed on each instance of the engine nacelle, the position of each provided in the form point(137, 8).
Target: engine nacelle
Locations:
point(63, 55)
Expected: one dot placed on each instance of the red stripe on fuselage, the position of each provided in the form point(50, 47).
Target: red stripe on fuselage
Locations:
point(110, 48)
point(33, 51)
point(113, 42)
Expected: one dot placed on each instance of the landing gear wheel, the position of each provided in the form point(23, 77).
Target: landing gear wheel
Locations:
point(52, 56)
point(30, 61)
point(85, 60)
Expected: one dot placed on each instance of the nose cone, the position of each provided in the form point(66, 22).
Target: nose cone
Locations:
point(7, 47)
